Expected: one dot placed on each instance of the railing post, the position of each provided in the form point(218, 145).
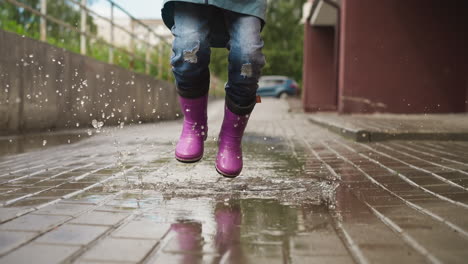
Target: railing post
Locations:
point(43, 20)
point(160, 58)
point(132, 43)
point(111, 49)
point(147, 55)
point(83, 28)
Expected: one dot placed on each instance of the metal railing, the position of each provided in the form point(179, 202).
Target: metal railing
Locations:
point(85, 34)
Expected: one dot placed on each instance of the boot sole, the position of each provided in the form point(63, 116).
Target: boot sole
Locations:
point(226, 174)
point(188, 160)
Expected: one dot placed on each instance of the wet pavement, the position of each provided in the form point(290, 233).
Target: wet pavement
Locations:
point(305, 196)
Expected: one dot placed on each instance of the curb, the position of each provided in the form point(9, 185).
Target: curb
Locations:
point(362, 135)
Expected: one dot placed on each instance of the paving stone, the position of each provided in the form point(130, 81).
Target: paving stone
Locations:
point(320, 242)
point(9, 196)
point(64, 209)
point(39, 254)
point(261, 259)
point(9, 213)
point(76, 185)
point(49, 183)
point(114, 249)
point(88, 197)
point(32, 202)
point(11, 239)
point(322, 259)
point(56, 192)
point(72, 234)
point(142, 229)
point(31, 222)
point(183, 258)
point(99, 218)
point(81, 261)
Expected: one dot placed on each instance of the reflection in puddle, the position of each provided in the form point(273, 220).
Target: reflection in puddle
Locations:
point(205, 230)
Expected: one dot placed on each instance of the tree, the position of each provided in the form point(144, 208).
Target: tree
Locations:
point(62, 9)
point(283, 35)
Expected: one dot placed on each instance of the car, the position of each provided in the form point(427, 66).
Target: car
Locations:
point(277, 86)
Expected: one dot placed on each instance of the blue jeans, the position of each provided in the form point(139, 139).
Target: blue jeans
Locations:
point(191, 54)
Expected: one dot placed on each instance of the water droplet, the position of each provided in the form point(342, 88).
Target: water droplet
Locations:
point(44, 142)
point(97, 124)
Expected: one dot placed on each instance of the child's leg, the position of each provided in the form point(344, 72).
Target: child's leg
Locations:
point(191, 56)
point(191, 49)
point(245, 61)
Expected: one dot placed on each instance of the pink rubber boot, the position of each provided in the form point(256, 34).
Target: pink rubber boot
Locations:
point(229, 158)
point(194, 130)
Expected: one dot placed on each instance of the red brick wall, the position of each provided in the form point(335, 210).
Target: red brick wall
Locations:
point(403, 56)
point(319, 69)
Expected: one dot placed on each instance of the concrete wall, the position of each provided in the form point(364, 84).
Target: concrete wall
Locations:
point(44, 87)
point(319, 69)
point(403, 56)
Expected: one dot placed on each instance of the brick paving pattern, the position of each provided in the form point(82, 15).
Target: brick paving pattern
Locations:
point(305, 196)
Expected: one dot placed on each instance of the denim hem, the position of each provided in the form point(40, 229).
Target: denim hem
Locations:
point(237, 109)
point(192, 93)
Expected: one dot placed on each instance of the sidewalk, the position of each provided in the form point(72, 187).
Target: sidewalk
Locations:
point(306, 195)
point(381, 127)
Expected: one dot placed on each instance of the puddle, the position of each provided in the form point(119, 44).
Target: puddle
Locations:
point(16, 144)
point(235, 230)
point(271, 170)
